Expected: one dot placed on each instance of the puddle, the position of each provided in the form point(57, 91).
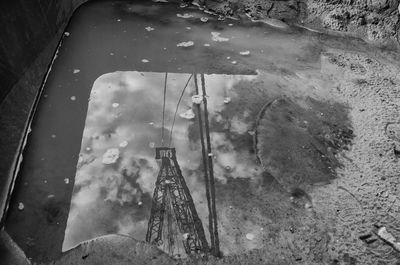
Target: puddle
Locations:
point(89, 167)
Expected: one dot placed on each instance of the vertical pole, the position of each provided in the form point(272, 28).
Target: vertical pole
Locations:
point(211, 170)
point(163, 111)
point(206, 178)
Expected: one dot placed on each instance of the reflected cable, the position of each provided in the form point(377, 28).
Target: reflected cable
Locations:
point(176, 110)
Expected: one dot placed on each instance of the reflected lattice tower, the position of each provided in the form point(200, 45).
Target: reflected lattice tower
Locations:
point(172, 197)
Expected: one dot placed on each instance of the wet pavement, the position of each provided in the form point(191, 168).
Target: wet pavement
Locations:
point(89, 169)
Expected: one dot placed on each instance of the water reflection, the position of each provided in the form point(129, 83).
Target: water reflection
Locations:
point(117, 170)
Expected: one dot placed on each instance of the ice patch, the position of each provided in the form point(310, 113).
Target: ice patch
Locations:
point(185, 44)
point(21, 206)
point(189, 114)
point(250, 236)
point(110, 156)
point(197, 99)
point(186, 15)
point(215, 36)
point(123, 144)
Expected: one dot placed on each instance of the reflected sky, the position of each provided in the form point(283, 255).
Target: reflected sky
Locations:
point(125, 115)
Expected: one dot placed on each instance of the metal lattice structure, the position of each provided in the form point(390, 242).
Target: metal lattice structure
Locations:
point(171, 191)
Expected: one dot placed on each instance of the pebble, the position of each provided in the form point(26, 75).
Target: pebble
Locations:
point(66, 180)
point(115, 105)
point(145, 61)
point(76, 71)
point(149, 29)
point(227, 100)
point(204, 19)
point(244, 53)
point(73, 98)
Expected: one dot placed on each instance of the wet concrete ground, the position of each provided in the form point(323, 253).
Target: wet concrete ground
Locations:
point(281, 128)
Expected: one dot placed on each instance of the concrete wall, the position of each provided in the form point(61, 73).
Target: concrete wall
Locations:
point(26, 28)
point(29, 34)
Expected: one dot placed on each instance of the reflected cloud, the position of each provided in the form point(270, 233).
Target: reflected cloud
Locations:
point(126, 107)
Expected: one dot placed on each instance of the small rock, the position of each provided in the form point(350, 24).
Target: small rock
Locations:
point(206, 44)
point(245, 53)
point(204, 19)
point(385, 194)
point(145, 61)
point(115, 105)
point(66, 33)
point(66, 180)
point(234, 62)
point(140, 203)
point(149, 29)
point(73, 98)
point(76, 71)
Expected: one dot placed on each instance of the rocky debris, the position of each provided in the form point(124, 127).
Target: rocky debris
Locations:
point(374, 21)
point(388, 238)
